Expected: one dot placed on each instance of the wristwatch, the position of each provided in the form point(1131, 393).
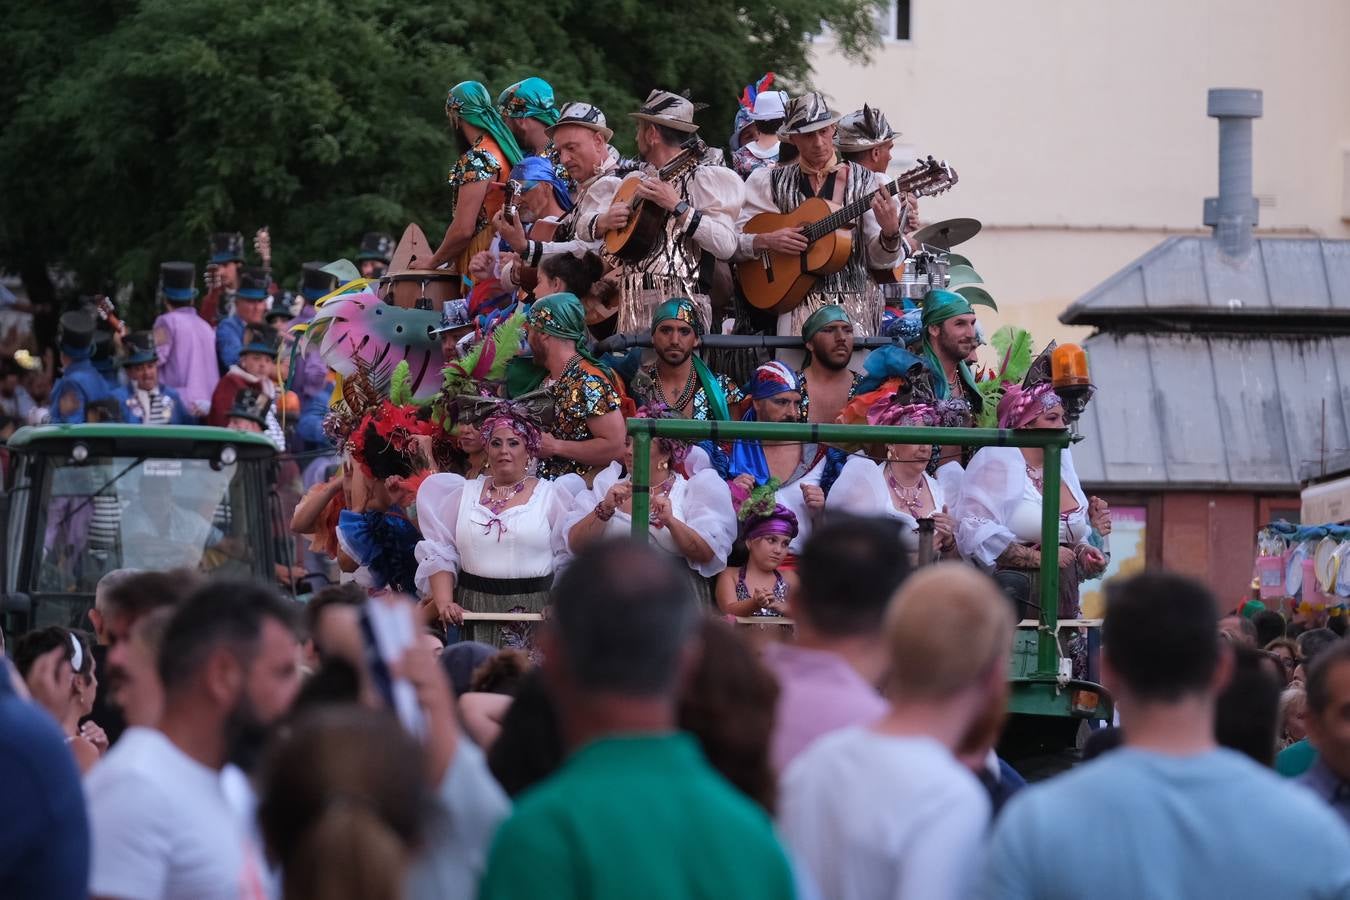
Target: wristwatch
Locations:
point(680, 208)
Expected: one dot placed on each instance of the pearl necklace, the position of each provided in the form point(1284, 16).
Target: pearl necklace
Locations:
point(497, 505)
point(912, 497)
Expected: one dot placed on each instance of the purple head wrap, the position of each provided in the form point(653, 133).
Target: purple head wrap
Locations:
point(677, 450)
point(781, 521)
point(510, 415)
point(1021, 406)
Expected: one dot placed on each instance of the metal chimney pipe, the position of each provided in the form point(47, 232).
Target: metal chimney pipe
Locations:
point(1233, 214)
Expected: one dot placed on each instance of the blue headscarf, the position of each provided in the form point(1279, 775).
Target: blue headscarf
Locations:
point(535, 170)
point(769, 380)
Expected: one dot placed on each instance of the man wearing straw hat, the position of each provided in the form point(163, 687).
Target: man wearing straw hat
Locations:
point(703, 203)
point(818, 172)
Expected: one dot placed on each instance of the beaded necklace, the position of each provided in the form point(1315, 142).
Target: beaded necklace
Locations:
point(912, 497)
point(497, 505)
point(685, 395)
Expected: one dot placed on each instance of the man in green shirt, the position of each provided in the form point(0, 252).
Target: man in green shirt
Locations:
point(636, 811)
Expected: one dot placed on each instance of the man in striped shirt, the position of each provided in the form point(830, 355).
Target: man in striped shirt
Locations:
point(143, 399)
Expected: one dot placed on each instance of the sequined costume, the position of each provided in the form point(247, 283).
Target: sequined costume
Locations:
point(582, 392)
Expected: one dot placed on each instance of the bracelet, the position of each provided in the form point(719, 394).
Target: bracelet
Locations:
point(891, 244)
point(601, 514)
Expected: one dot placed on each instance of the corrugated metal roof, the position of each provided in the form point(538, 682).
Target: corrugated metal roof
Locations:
point(1242, 412)
point(1281, 276)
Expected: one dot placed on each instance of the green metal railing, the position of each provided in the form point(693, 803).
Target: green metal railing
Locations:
point(1052, 442)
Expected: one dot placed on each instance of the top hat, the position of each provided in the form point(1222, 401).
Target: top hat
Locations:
point(178, 281)
point(454, 317)
point(253, 283)
point(227, 246)
point(315, 282)
point(670, 110)
point(375, 245)
point(863, 130)
point(140, 348)
point(252, 406)
point(284, 308)
point(261, 339)
point(806, 114)
point(77, 333)
point(583, 115)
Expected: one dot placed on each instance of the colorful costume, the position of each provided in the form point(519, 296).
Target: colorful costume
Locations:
point(489, 159)
point(709, 396)
point(783, 189)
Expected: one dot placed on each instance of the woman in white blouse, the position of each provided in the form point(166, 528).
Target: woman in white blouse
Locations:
point(493, 543)
point(690, 517)
point(899, 487)
point(998, 519)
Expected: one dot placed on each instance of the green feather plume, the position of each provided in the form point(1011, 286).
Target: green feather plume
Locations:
point(485, 363)
point(400, 393)
point(760, 502)
point(1014, 346)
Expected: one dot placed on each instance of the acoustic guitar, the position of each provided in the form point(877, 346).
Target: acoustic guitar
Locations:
point(780, 281)
point(646, 221)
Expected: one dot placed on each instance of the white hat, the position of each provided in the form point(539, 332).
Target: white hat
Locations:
point(769, 105)
point(583, 115)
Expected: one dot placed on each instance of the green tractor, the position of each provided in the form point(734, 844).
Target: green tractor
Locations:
point(83, 500)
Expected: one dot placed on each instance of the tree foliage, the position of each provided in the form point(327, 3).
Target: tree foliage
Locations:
point(134, 128)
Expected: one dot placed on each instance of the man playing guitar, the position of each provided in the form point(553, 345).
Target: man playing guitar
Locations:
point(818, 172)
point(702, 203)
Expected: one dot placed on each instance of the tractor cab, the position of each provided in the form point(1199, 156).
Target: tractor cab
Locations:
point(83, 500)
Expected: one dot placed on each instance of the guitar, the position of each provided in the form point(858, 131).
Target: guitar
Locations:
point(646, 221)
point(107, 311)
point(781, 281)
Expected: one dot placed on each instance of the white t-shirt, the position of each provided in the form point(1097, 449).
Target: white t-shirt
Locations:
point(872, 816)
point(161, 827)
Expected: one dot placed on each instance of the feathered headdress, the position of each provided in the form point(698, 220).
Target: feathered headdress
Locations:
point(478, 372)
point(1015, 363)
point(753, 90)
point(760, 513)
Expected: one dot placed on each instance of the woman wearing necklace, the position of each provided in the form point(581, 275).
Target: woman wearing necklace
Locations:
point(899, 487)
point(998, 519)
point(493, 543)
point(691, 517)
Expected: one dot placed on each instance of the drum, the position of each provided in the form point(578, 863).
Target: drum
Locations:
point(420, 288)
point(924, 272)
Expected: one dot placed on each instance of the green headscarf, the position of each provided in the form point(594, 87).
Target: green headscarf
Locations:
point(682, 309)
point(826, 315)
point(529, 99)
point(470, 101)
point(938, 307)
point(562, 316)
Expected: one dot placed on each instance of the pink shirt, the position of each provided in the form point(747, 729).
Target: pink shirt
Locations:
point(187, 357)
point(819, 692)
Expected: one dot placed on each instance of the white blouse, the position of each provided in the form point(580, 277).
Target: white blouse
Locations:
point(702, 502)
point(999, 505)
point(861, 489)
point(459, 533)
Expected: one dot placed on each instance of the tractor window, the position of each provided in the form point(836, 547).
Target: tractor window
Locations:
point(128, 512)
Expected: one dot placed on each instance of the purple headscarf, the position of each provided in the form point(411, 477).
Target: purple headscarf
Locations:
point(515, 417)
point(1021, 406)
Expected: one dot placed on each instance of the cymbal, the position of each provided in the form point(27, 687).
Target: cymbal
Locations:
point(947, 233)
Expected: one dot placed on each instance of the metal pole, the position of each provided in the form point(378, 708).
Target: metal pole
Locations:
point(641, 481)
point(1047, 646)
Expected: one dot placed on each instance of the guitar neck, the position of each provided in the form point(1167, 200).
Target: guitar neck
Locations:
point(851, 212)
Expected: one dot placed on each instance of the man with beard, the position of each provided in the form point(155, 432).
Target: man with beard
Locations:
point(949, 338)
point(886, 809)
point(160, 821)
point(798, 469)
point(828, 337)
point(679, 380)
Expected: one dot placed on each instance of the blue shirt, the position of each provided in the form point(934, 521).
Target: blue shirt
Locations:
point(1135, 824)
point(229, 341)
point(44, 832)
point(83, 380)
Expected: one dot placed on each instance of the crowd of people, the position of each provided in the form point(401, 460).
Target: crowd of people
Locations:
point(216, 739)
point(592, 728)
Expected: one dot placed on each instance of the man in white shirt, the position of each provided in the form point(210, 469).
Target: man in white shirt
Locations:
point(886, 810)
point(159, 819)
